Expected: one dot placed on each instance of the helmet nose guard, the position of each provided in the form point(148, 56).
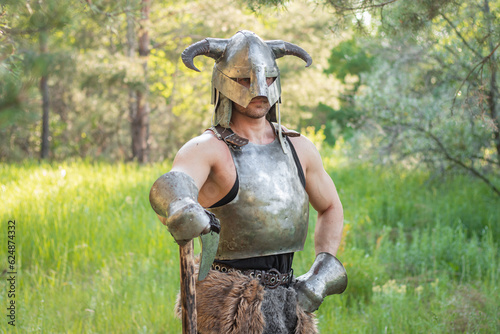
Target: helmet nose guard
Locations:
point(245, 55)
point(258, 81)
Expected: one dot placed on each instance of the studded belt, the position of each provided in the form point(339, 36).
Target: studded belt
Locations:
point(270, 279)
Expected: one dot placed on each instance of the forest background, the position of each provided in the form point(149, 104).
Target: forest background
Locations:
point(401, 100)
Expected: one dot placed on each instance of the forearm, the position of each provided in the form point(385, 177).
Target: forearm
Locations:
point(328, 232)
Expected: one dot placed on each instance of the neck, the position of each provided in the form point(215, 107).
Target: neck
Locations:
point(256, 130)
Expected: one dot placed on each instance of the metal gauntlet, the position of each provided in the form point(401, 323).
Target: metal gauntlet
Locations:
point(175, 196)
point(327, 276)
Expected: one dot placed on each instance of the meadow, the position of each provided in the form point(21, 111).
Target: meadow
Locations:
point(421, 252)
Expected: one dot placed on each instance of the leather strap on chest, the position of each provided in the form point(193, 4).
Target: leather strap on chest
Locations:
point(229, 137)
point(235, 141)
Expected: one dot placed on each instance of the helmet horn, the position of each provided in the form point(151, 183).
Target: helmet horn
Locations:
point(210, 47)
point(281, 48)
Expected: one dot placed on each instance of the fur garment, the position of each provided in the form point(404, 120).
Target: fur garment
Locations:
point(232, 303)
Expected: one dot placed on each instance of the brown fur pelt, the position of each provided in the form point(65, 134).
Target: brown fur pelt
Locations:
point(231, 303)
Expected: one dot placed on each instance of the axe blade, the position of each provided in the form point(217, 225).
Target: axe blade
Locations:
point(209, 244)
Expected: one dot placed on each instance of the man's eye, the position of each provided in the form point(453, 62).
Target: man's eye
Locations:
point(244, 80)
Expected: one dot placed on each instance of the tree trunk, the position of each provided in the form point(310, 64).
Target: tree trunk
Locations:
point(138, 99)
point(132, 96)
point(492, 94)
point(142, 123)
point(44, 90)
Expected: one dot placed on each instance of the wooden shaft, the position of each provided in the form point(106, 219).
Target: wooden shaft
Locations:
point(188, 292)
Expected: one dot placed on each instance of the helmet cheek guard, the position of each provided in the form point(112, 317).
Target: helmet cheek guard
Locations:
point(274, 91)
point(243, 95)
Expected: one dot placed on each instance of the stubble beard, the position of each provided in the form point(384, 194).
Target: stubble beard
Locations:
point(255, 110)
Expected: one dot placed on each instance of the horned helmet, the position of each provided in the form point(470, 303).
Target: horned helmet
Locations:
point(244, 55)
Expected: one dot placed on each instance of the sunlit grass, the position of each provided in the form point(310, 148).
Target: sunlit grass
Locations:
point(91, 254)
point(92, 257)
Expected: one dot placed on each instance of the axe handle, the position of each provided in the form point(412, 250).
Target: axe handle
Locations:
point(188, 292)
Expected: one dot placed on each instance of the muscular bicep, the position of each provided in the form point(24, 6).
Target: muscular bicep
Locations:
point(319, 186)
point(322, 192)
point(323, 197)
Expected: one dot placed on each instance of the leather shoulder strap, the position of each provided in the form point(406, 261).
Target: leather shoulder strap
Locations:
point(228, 136)
point(288, 133)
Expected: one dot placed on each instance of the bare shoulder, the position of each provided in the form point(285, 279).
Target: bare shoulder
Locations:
point(307, 153)
point(202, 156)
point(302, 144)
point(204, 147)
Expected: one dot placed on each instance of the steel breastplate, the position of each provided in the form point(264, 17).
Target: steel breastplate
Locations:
point(270, 213)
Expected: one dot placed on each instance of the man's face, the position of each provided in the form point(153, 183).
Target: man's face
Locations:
point(258, 106)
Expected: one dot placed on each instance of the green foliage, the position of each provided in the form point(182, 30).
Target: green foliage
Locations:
point(335, 123)
point(10, 87)
point(27, 55)
point(91, 74)
point(256, 5)
point(347, 62)
point(427, 77)
point(439, 250)
point(349, 58)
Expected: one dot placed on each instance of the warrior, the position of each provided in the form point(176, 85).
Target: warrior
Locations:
point(258, 178)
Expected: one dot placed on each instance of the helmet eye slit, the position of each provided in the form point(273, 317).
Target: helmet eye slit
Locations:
point(245, 82)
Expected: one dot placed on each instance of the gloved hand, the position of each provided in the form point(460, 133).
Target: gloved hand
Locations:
point(174, 196)
point(327, 276)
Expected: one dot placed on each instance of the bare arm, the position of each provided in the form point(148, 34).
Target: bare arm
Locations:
point(193, 161)
point(208, 162)
point(328, 232)
point(323, 197)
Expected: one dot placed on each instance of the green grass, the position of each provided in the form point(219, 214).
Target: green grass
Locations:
point(422, 256)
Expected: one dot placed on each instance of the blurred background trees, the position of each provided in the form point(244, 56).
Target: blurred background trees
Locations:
point(419, 83)
point(395, 81)
point(426, 83)
point(112, 77)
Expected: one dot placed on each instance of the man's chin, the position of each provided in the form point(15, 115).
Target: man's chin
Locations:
point(258, 112)
point(255, 116)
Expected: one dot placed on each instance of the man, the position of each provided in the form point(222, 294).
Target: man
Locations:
point(258, 178)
